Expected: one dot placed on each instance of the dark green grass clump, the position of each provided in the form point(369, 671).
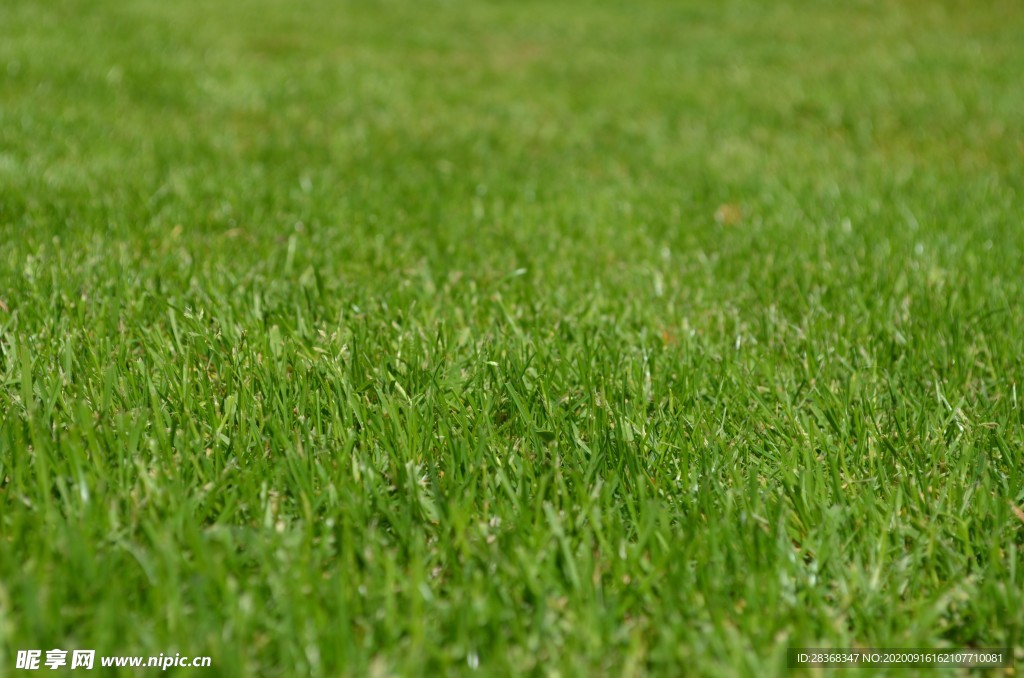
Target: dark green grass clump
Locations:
point(606, 338)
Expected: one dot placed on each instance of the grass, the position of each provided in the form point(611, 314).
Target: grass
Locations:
point(592, 338)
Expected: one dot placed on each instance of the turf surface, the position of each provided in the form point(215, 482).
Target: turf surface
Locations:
point(419, 337)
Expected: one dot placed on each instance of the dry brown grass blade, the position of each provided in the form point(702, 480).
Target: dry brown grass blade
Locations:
point(1017, 511)
point(729, 214)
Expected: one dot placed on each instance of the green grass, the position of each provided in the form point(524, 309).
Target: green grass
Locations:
point(402, 337)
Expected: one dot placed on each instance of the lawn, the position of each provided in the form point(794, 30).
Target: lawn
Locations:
point(592, 338)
